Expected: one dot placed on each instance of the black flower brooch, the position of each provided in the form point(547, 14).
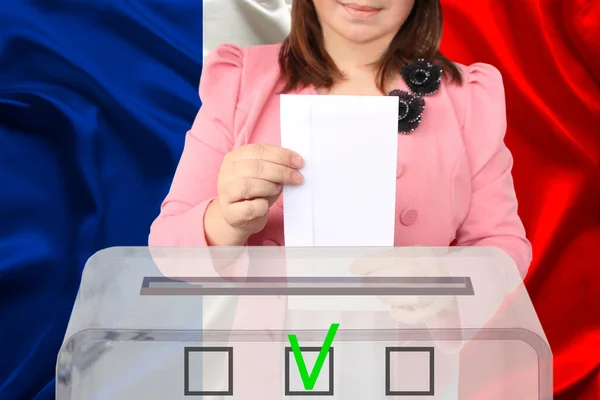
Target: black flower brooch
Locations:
point(423, 79)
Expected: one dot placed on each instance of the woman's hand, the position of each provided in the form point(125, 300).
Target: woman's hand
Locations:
point(408, 310)
point(250, 181)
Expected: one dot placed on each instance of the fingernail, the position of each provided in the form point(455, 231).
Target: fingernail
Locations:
point(298, 178)
point(298, 161)
point(279, 187)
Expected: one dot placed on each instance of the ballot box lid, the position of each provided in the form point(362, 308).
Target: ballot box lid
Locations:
point(179, 288)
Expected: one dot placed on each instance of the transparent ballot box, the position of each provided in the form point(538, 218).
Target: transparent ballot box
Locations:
point(290, 323)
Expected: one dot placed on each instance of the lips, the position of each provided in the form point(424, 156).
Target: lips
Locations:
point(360, 11)
point(358, 7)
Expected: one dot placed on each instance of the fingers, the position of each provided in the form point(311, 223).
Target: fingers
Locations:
point(244, 212)
point(269, 153)
point(420, 313)
point(249, 188)
point(251, 180)
point(379, 266)
point(364, 266)
point(268, 171)
point(395, 267)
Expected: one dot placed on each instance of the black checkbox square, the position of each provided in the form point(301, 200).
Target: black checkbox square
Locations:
point(409, 357)
point(289, 358)
point(188, 366)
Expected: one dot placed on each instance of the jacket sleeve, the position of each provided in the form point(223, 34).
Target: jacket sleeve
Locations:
point(212, 135)
point(492, 219)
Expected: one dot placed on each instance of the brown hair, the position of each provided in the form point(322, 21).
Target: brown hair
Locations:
point(303, 59)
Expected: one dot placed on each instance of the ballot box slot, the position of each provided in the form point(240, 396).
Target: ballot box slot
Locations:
point(308, 286)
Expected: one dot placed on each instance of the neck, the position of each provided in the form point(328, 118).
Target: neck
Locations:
point(354, 58)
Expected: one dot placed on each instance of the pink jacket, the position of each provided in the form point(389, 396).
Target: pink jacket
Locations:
point(454, 171)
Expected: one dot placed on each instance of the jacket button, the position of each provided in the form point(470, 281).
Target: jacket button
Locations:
point(269, 242)
point(399, 171)
point(409, 216)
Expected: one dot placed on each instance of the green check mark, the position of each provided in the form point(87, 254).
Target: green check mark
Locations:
point(310, 380)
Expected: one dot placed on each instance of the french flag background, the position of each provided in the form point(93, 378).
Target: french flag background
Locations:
point(95, 100)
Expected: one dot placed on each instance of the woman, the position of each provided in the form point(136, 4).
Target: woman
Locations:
point(454, 171)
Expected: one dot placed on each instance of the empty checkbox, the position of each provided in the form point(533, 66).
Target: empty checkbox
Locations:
point(293, 380)
point(208, 371)
point(409, 371)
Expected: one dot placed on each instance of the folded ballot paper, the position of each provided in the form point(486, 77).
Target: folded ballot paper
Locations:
point(349, 144)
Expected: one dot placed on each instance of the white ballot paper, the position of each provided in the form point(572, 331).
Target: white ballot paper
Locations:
point(349, 144)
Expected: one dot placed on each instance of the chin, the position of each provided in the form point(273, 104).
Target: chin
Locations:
point(361, 35)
